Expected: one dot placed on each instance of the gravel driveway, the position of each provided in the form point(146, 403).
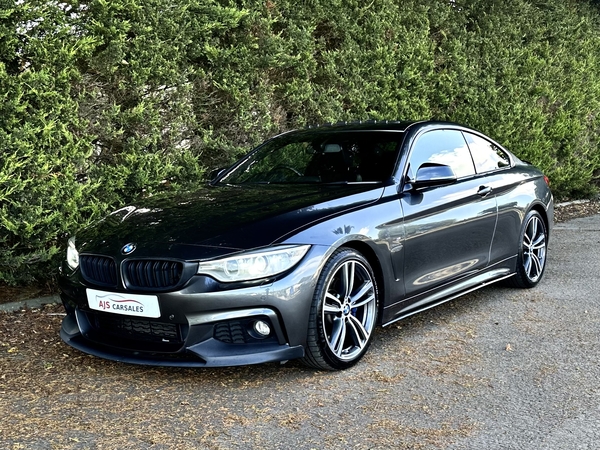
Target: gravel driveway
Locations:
point(498, 369)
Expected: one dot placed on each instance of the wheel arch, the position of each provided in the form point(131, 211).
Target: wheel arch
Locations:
point(538, 207)
point(373, 259)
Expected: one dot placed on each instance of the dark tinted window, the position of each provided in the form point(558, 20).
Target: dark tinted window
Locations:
point(321, 158)
point(442, 147)
point(486, 155)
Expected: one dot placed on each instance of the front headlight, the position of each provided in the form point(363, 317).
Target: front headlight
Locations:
point(254, 265)
point(72, 254)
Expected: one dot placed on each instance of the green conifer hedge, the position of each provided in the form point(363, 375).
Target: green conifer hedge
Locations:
point(107, 100)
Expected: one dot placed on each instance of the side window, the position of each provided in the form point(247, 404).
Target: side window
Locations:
point(486, 155)
point(442, 147)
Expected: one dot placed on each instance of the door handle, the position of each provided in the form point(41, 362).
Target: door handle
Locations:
point(484, 190)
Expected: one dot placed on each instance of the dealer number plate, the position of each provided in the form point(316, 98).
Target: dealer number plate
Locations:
point(126, 304)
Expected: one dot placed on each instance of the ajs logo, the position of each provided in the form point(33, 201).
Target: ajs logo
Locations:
point(119, 303)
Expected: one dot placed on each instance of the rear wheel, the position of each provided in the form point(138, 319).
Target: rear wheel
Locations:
point(531, 260)
point(343, 312)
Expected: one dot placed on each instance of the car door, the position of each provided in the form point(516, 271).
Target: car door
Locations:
point(494, 163)
point(448, 228)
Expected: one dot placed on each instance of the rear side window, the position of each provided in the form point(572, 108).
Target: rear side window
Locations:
point(486, 155)
point(446, 147)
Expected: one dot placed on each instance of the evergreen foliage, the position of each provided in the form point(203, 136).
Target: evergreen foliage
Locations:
point(107, 100)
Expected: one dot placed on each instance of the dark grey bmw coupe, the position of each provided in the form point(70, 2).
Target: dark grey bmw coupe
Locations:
point(306, 244)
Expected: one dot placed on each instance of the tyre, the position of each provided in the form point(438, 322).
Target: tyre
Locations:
point(533, 245)
point(343, 313)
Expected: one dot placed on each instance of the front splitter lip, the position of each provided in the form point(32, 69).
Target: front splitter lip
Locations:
point(209, 353)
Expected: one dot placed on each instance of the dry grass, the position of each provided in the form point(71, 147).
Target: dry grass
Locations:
point(573, 211)
point(52, 396)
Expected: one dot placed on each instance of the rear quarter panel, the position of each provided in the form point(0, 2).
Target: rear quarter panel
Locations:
point(517, 190)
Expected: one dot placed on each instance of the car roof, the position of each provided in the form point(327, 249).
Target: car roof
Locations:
point(366, 125)
point(374, 125)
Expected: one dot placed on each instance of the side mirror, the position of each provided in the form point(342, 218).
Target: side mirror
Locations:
point(430, 174)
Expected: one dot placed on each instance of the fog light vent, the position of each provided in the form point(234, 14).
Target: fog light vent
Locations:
point(232, 332)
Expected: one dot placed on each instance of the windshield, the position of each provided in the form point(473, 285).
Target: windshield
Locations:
point(317, 157)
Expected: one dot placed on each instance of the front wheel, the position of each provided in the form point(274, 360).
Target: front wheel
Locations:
point(531, 260)
point(343, 312)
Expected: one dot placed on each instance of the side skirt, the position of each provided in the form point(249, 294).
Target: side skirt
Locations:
point(451, 293)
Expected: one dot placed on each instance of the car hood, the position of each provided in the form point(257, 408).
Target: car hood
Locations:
point(217, 220)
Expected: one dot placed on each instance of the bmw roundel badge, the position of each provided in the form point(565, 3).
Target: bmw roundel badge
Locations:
point(128, 248)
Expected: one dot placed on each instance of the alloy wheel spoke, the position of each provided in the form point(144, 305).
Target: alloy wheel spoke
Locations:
point(348, 277)
point(360, 336)
point(355, 299)
point(332, 304)
point(526, 241)
point(527, 265)
point(338, 336)
point(534, 226)
point(364, 302)
point(539, 242)
point(537, 265)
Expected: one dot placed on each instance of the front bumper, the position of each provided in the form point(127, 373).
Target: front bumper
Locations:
point(203, 324)
point(78, 332)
